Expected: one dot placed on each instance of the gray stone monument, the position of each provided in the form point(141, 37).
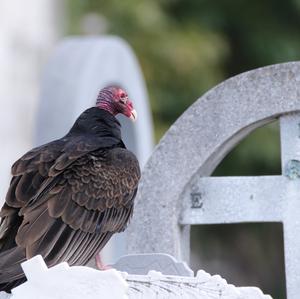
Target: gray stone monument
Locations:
point(76, 72)
point(176, 190)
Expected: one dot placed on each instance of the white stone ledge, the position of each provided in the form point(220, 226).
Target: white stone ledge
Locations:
point(78, 282)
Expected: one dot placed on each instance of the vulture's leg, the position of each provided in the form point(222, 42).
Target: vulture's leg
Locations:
point(99, 263)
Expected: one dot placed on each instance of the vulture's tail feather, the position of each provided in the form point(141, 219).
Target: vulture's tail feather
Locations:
point(11, 273)
point(6, 287)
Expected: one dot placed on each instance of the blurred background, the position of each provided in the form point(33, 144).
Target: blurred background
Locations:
point(184, 49)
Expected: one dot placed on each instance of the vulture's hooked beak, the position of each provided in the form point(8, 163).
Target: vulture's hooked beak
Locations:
point(133, 115)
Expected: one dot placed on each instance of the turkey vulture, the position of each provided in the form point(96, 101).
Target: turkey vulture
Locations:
point(68, 197)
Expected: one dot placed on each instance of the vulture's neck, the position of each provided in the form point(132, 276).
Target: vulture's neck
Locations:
point(98, 122)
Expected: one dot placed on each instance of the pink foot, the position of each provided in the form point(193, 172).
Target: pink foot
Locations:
point(99, 263)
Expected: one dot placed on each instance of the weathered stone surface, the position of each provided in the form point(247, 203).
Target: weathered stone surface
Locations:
point(141, 264)
point(155, 285)
point(235, 199)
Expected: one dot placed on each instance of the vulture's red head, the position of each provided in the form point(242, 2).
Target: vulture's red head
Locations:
point(115, 100)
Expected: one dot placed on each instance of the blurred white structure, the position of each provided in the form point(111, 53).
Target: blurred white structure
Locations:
point(28, 30)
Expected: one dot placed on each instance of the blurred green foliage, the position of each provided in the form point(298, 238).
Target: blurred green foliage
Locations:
point(187, 47)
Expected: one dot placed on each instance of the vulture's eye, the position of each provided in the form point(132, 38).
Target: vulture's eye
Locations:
point(123, 98)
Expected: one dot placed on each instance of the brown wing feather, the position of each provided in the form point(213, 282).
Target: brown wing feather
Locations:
point(26, 181)
point(96, 191)
point(90, 200)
